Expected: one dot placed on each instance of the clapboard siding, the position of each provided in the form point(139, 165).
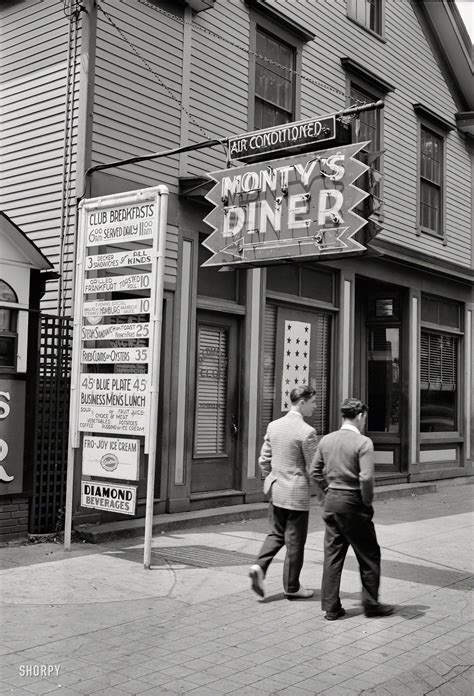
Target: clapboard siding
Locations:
point(137, 112)
point(218, 81)
point(323, 90)
point(322, 81)
point(123, 83)
point(33, 69)
point(404, 37)
point(171, 267)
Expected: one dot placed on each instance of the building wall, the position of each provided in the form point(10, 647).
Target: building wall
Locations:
point(216, 96)
point(154, 77)
point(13, 518)
point(37, 142)
point(188, 83)
point(218, 82)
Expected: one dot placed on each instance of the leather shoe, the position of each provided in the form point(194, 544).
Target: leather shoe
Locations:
point(256, 576)
point(333, 615)
point(300, 594)
point(378, 610)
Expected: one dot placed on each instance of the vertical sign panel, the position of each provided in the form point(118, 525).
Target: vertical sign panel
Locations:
point(12, 409)
point(117, 315)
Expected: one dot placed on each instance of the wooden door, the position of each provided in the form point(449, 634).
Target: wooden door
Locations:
point(216, 422)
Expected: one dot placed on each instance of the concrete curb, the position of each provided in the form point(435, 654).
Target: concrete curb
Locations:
point(123, 529)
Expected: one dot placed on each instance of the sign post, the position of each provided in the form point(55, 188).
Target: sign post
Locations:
point(113, 338)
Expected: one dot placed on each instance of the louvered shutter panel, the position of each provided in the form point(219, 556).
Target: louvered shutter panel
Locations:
point(438, 362)
point(322, 343)
point(269, 343)
point(211, 401)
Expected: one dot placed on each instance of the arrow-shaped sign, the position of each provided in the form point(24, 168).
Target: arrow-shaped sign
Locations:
point(294, 207)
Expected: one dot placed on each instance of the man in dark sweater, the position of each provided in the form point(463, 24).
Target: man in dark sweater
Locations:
point(343, 468)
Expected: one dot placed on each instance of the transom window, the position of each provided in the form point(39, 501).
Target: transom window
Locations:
point(368, 13)
point(431, 181)
point(274, 81)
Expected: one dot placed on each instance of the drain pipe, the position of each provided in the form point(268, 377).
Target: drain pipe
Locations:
point(73, 14)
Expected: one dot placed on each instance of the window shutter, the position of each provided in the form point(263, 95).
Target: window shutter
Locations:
point(269, 343)
point(211, 401)
point(438, 362)
point(322, 338)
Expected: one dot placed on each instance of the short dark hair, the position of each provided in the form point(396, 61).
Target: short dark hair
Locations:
point(303, 392)
point(351, 407)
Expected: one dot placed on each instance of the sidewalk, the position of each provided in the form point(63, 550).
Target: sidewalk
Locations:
point(92, 621)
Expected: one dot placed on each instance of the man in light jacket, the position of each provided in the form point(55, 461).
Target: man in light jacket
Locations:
point(288, 449)
point(343, 468)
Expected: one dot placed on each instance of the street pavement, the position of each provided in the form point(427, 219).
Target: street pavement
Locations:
point(93, 621)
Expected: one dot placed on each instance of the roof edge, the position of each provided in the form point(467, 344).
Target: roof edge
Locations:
point(28, 247)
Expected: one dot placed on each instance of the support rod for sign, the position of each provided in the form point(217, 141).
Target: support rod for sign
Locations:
point(353, 110)
point(156, 321)
point(73, 402)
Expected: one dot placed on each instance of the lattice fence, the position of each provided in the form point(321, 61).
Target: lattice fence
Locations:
point(51, 423)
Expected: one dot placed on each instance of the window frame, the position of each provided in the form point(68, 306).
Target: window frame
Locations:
point(458, 335)
point(422, 229)
point(364, 80)
point(428, 120)
point(361, 78)
point(284, 35)
point(381, 19)
point(355, 84)
point(12, 333)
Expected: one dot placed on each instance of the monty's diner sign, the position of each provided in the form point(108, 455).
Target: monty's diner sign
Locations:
point(292, 208)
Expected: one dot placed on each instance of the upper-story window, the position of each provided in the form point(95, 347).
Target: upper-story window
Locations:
point(367, 127)
point(274, 81)
point(368, 13)
point(367, 87)
point(431, 180)
point(8, 327)
point(276, 48)
point(433, 130)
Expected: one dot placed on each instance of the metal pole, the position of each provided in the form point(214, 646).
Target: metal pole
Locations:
point(155, 372)
point(359, 109)
point(73, 439)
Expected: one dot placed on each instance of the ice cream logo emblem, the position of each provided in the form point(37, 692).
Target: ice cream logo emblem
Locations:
point(109, 462)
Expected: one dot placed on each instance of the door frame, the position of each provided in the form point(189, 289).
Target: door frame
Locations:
point(216, 318)
point(383, 442)
point(297, 305)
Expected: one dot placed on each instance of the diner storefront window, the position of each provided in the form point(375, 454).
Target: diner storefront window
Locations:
point(441, 323)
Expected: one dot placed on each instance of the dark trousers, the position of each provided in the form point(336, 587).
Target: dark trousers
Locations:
point(349, 523)
point(288, 528)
